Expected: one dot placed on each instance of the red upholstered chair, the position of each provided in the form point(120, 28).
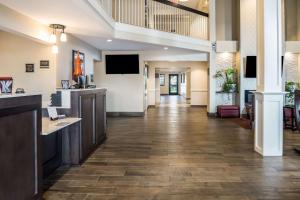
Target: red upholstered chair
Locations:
point(289, 117)
point(228, 111)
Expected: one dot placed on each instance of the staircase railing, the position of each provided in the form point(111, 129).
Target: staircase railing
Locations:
point(159, 15)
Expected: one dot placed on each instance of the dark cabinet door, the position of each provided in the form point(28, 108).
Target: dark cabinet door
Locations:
point(87, 113)
point(52, 153)
point(100, 118)
point(20, 169)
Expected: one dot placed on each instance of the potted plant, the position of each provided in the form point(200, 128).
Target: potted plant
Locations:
point(229, 79)
point(290, 87)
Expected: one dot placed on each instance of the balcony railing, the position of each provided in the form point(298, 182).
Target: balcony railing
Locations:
point(159, 15)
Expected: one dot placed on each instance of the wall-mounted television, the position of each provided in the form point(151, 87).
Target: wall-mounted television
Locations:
point(122, 64)
point(250, 67)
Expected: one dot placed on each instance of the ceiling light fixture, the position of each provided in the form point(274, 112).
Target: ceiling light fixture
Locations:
point(53, 37)
point(63, 36)
point(166, 48)
point(109, 40)
point(55, 49)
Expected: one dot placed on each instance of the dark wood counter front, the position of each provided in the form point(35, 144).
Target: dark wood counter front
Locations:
point(20, 140)
point(90, 106)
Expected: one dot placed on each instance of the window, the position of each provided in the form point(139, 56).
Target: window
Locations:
point(162, 79)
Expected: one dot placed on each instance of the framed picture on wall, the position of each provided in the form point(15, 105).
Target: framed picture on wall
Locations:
point(29, 68)
point(6, 84)
point(44, 64)
point(75, 56)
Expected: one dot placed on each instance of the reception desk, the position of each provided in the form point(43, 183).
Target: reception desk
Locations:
point(20, 147)
point(58, 143)
point(29, 143)
point(90, 106)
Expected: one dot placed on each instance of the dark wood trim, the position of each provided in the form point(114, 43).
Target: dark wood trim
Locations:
point(22, 122)
point(182, 7)
point(198, 106)
point(125, 114)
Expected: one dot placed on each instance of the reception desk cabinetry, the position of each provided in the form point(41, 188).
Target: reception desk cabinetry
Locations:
point(90, 106)
point(20, 140)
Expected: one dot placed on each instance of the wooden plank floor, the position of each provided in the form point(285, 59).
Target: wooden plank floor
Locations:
point(179, 154)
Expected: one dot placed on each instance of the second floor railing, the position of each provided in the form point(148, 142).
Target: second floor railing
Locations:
point(159, 15)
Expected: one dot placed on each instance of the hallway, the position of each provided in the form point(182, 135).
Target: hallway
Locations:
point(174, 101)
point(179, 153)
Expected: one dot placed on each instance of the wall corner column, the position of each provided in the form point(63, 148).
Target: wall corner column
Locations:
point(269, 96)
point(211, 108)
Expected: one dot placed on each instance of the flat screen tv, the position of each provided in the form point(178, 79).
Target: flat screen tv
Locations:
point(122, 64)
point(251, 67)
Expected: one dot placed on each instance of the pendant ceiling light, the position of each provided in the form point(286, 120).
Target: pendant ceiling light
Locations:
point(55, 49)
point(53, 37)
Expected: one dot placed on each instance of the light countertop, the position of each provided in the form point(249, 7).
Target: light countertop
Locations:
point(49, 127)
point(83, 89)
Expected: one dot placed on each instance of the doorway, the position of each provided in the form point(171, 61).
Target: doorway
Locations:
point(173, 84)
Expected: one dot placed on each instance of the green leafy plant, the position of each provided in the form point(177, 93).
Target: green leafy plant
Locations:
point(229, 79)
point(290, 87)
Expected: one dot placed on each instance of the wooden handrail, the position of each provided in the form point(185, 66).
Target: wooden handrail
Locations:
point(182, 7)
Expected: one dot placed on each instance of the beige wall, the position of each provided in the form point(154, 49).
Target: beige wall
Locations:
point(125, 92)
point(64, 58)
point(292, 20)
point(164, 90)
point(185, 88)
point(247, 46)
point(15, 52)
point(151, 86)
point(227, 19)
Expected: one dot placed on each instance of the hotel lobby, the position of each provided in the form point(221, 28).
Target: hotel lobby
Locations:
point(150, 99)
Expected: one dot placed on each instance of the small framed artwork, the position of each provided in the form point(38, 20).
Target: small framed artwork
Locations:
point(44, 64)
point(78, 56)
point(6, 84)
point(65, 84)
point(29, 68)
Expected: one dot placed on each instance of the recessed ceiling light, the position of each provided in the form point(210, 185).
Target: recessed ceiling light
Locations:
point(166, 48)
point(109, 40)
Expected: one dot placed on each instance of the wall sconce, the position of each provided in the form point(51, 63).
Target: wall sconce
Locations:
point(53, 36)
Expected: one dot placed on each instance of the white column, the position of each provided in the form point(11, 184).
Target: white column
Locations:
point(211, 108)
point(269, 95)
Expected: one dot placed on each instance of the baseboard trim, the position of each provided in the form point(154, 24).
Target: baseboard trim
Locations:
point(244, 116)
point(213, 115)
point(125, 114)
point(151, 106)
point(198, 106)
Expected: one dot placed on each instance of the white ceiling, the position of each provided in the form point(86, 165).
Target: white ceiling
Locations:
point(84, 23)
